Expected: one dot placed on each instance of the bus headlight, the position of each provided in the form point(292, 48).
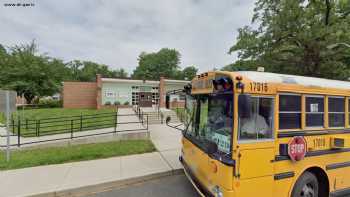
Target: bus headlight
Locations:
point(217, 191)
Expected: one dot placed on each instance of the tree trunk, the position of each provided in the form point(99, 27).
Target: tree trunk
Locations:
point(29, 97)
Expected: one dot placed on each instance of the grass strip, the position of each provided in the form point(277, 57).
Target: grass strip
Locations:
point(57, 155)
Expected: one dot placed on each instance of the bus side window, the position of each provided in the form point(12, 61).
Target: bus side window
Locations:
point(314, 111)
point(259, 124)
point(289, 111)
point(336, 111)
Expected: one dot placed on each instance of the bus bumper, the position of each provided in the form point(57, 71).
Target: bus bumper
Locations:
point(201, 189)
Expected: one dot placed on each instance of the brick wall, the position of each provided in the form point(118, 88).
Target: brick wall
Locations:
point(98, 91)
point(79, 95)
point(162, 92)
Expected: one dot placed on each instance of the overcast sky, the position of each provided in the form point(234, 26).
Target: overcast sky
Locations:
point(115, 32)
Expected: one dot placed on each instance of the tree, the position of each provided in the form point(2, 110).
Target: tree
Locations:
point(189, 72)
point(87, 70)
point(75, 67)
point(294, 37)
point(30, 74)
point(119, 73)
point(241, 65)
point(90, 69)
point(154, 65)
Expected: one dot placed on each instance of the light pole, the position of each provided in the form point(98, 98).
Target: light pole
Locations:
point(332, 46)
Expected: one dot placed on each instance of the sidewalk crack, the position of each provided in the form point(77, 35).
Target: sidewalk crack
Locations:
point(166, 161)
point(64, 178)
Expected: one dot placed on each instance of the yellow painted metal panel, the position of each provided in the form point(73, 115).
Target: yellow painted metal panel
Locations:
point(281, 188)
point(347, 112)
point(261, 186)
point(326, 112)
point(303, 108)
point(223, 177)
point(197, 161)
point(256, 163)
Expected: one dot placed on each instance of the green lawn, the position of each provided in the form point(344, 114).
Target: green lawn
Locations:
point(57, 155)
point(56, 112)
point(181, 113)
point(2, 118)
point(84, 119)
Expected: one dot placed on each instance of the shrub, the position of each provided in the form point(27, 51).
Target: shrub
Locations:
point(2, 118)
point(126, 103)
point(49, 103)
point(107, 103)
point(116, 103)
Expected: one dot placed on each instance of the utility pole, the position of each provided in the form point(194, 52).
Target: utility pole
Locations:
point(7, 106)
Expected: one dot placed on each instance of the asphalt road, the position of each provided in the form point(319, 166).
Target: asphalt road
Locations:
point(172, 186)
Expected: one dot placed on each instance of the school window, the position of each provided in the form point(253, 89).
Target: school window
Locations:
point(336, 111)
point(314, 111)
point(289, 111)
point(109, 94)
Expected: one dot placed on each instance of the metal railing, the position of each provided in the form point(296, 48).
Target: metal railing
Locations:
point(141, 114)
point(70, 125)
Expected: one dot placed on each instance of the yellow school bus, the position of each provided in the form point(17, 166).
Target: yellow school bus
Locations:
point(264, 134)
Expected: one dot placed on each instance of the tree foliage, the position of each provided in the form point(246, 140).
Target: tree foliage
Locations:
point(87, 70)
point(164, 63)
point(241, 65)
point(32, 75)
point(154, 65)
point(189, 72)
point(295, 37)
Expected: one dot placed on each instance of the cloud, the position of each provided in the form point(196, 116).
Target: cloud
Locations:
point(115, 32)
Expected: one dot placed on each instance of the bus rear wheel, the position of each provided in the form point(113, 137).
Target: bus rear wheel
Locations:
point(306, 186)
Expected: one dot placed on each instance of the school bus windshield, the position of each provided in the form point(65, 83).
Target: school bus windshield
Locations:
point(210, 119)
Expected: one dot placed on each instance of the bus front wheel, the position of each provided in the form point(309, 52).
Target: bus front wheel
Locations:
point(306, 186)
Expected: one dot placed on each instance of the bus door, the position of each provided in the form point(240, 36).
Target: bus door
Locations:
point(255, 148)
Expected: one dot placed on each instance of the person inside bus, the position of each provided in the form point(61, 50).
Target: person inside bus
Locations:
point(255, 126)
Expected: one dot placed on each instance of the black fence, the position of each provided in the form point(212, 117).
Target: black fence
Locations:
point(71, 125)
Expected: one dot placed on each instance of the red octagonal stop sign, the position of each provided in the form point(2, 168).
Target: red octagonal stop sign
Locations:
point(297, 148)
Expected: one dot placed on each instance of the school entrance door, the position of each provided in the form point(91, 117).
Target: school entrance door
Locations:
point(145, 99)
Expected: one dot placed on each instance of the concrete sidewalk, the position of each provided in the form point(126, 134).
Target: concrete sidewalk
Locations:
point(168, 142)
point(81, 178)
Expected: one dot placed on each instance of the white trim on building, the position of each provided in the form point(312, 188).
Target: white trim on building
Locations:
point(133, 81)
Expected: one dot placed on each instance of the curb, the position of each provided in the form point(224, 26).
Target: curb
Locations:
point(91, 189)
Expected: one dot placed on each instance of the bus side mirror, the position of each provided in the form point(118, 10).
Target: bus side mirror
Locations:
point(244, 106)
point(167, 121)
